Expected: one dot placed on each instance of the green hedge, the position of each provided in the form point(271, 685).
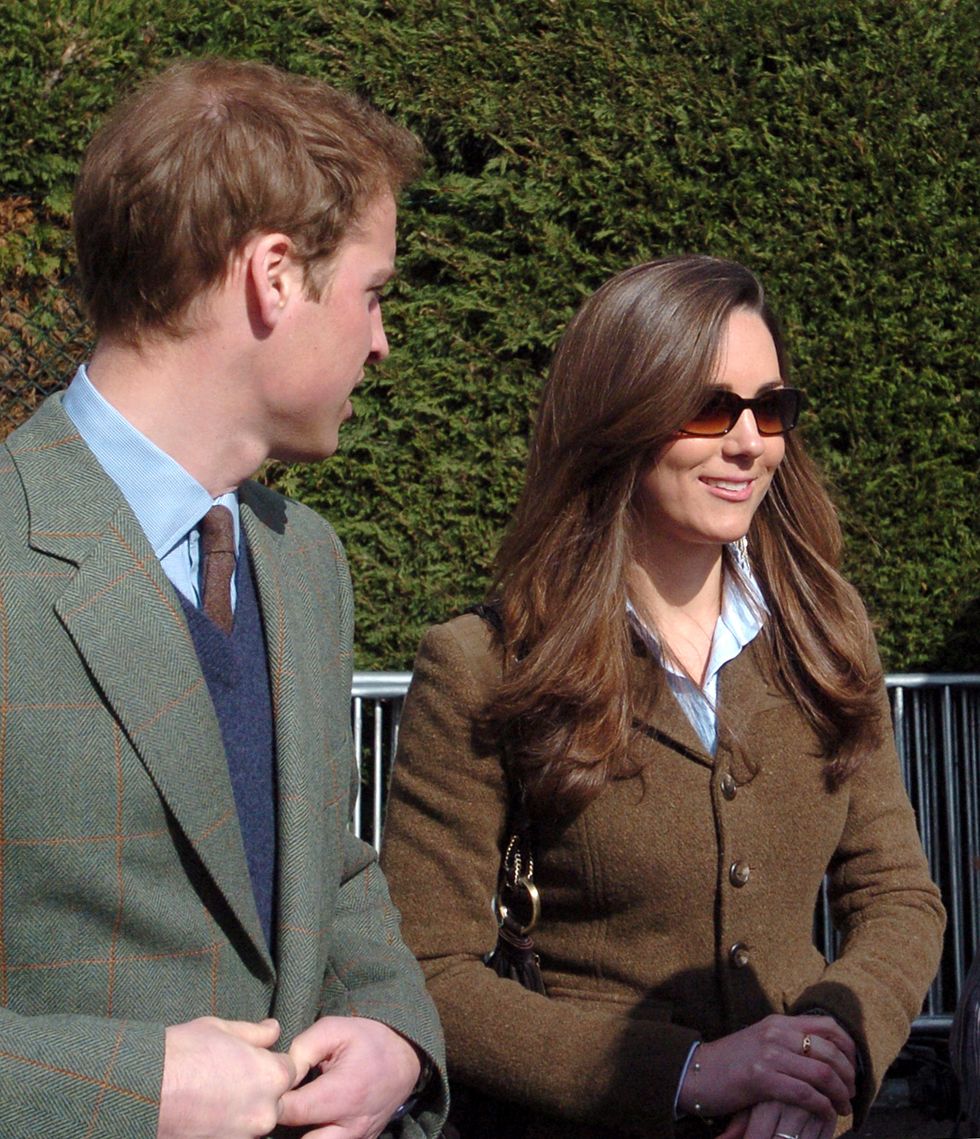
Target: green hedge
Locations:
point(825, 143)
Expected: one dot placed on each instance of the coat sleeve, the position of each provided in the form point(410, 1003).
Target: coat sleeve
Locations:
point(79, 1075)
point(889, 916)
point(373, 974)
point(441, 851)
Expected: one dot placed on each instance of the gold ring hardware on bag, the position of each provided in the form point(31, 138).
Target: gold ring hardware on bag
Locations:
point(516, 891)
point(503, 911)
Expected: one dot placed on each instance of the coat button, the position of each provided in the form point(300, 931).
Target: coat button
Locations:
point(739, 873)
point(738, 955)
point(728, 786)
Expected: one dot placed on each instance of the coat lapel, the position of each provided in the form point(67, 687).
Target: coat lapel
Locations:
point(125, 621)
point(295, 618)
point(664, 722)
point(746, 694)
point(741, 698)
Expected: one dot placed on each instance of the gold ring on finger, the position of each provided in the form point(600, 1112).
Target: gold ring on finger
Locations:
point(805, 1047)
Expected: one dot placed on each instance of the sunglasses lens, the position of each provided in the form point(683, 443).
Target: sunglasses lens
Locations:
point(715, 418)
point(769, 410)
point(777, 411)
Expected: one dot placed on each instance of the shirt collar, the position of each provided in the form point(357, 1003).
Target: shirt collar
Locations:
point(166, 499)
point(743, 612)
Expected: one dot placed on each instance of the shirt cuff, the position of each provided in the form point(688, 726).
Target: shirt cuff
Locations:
point(680, 1083)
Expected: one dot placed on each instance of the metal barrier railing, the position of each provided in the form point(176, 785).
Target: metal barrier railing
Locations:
point(376, 709)
point(937, 729)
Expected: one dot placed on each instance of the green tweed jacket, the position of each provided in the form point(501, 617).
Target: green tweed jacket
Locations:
point(125, 900)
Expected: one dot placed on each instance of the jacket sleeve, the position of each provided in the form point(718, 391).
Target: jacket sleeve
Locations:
point(373, 974)
point(441, 852)
point(79, 1075)
point(888, 913)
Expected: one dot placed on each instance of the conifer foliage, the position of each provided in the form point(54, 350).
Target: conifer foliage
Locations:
point(825, 143)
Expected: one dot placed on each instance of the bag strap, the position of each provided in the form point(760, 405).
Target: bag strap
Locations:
point(517, 903)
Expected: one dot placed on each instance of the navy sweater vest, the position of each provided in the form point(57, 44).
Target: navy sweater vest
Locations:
point(236, 669)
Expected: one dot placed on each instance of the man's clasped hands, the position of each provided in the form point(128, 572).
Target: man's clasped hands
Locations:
point(222, 1078)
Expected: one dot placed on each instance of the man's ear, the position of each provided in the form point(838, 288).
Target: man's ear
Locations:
point(274, 275)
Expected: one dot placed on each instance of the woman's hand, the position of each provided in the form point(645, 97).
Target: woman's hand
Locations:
point(777, 1121)
point(767, 1063)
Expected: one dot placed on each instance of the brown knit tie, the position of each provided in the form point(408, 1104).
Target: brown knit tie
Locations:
point(217, 565)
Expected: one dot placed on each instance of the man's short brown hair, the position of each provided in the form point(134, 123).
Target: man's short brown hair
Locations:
point(206, 155)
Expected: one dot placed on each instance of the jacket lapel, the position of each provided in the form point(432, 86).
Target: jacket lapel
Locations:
point(125, 620)
point(295, 617)
point(746, 694)
point(741, 698)
point(664, 722)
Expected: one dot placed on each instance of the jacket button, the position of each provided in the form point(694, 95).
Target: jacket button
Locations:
point(728, 786)
point(739, 873)
point(738, 955)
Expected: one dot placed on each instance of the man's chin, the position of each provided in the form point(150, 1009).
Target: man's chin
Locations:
point(311, 452)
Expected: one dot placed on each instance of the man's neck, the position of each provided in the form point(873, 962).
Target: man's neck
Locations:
point(178, 394)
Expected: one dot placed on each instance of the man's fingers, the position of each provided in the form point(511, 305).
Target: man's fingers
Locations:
point(261, 1035)
point(296, 1107)
point(792, 1121)
point(221, 1077)
point(289, 1069)
point(315, 1045)
point(762, 1121)
point(736, 1125)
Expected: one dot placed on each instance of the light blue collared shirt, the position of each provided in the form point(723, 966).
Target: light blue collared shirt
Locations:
point(168, 502)
point(741, 618)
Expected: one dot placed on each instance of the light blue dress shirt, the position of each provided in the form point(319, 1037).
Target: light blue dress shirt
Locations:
point(168, 502)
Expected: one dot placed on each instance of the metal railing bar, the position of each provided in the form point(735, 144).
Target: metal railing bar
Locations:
point(356, 712)
point(932, 679)
point(377, 798)
point(954, 836)
point(380, 685)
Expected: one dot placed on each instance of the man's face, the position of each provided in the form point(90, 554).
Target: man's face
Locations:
point(324, 345)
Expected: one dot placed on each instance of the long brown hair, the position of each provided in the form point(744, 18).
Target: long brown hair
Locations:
point(636, 361)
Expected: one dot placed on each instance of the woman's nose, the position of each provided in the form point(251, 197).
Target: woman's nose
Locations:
point(744, 437)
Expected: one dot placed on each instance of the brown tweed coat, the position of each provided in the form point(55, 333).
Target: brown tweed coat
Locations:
point(678, 905)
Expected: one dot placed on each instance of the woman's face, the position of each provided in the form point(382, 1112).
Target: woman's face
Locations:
point(705, 490)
